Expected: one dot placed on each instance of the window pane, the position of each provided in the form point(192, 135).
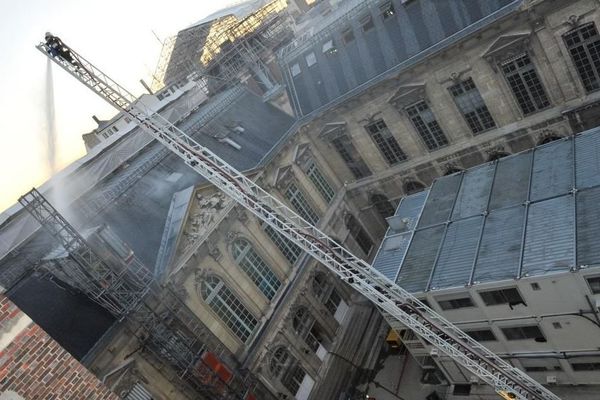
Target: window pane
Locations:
point(317, 178)
point(426, 125)
point(482, 335)
point(502, 296)
point(594, 284)
point(256, 268)
point(298, 201)
point(471, 105)
point(584, 46)
point(453, 304)
point(386, 142)
point(287, 248)
point(228, 307)
point(350, 155)
point(523, 333)
point(525, 84)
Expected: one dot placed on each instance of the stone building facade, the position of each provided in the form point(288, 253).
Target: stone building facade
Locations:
point(504, 76)
point(527, 78)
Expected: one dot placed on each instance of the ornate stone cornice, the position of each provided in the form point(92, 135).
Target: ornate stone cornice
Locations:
point(407, 94)
point(507, 46)
point(333, 130)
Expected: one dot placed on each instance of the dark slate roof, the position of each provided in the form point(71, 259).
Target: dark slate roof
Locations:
point(138, 216)
point(415, 30)
point(530, 214)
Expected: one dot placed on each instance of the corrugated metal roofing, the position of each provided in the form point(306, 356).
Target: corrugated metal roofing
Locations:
point(549, 244)
point(588, 227)
point(440, 201)
point(552, 170)
point(538, 220)
point(511, 181)
point(457, 253)
point(587, 155)
point(418, 262)
point(500, 249)
point(474, 192)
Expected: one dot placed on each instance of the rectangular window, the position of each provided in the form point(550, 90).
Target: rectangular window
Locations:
point(582, 366)
point(387, 10)
point(523, 333)
point(350, 155)
point(348, 35)
point(471, 105)
point(453, 304)
point(289, 250)
point(509, 296)
point(295, 69)
point(333, 302)
point(386, 142)
point(367, 23)
point(482, 335)
point(298, 201)
point(311, 59)
point(426, 125)
point(594, 284)
point(583, 44)
point(525, 84)
point(317, 178)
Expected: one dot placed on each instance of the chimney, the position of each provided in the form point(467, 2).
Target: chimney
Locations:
point(96, 119)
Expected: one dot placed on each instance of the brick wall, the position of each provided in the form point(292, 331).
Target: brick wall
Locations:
point(36, 367)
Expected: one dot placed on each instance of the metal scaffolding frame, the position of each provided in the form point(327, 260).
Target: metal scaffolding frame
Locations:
point(163, 324)
point(225, 48)
point(405, 309)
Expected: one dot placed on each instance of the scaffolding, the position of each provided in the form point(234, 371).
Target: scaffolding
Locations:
point(225, 48)
point(394, 301)
point(163, 324)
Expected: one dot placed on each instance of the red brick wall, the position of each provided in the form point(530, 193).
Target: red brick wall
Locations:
point(36, 367)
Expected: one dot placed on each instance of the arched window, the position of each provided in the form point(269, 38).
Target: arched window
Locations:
point(382, 205)
point(496, 155)
point(305, 326)
point(255, 267)
point(325, 292)
point(411, 187)
point(548, 139)
point(359, 234)
point(228, 307)
point(286, 368)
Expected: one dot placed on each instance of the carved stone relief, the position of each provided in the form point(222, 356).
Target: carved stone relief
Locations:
point(203, 215)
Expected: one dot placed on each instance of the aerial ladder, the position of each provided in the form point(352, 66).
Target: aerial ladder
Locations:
point(398, 305)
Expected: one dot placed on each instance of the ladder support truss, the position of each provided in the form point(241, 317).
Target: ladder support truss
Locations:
point(399, 304)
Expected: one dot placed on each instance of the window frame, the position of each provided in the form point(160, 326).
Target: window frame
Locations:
point(216, 293)
point(470, 96)
point(478, 335)
point(591, 286)
point(386, 142)
point(319, 181)
point(502, 291)
point(456, 302)
point(433, 137)
point(584, 43)
point(520, 71)
point(256, 268)
point(522, 332)
point(301, 204)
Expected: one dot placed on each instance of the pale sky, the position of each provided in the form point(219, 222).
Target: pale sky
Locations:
point(115, 35)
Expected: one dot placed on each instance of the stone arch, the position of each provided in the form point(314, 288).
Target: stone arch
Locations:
point(496, 155)
point(382, 204)
point(411, 187)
